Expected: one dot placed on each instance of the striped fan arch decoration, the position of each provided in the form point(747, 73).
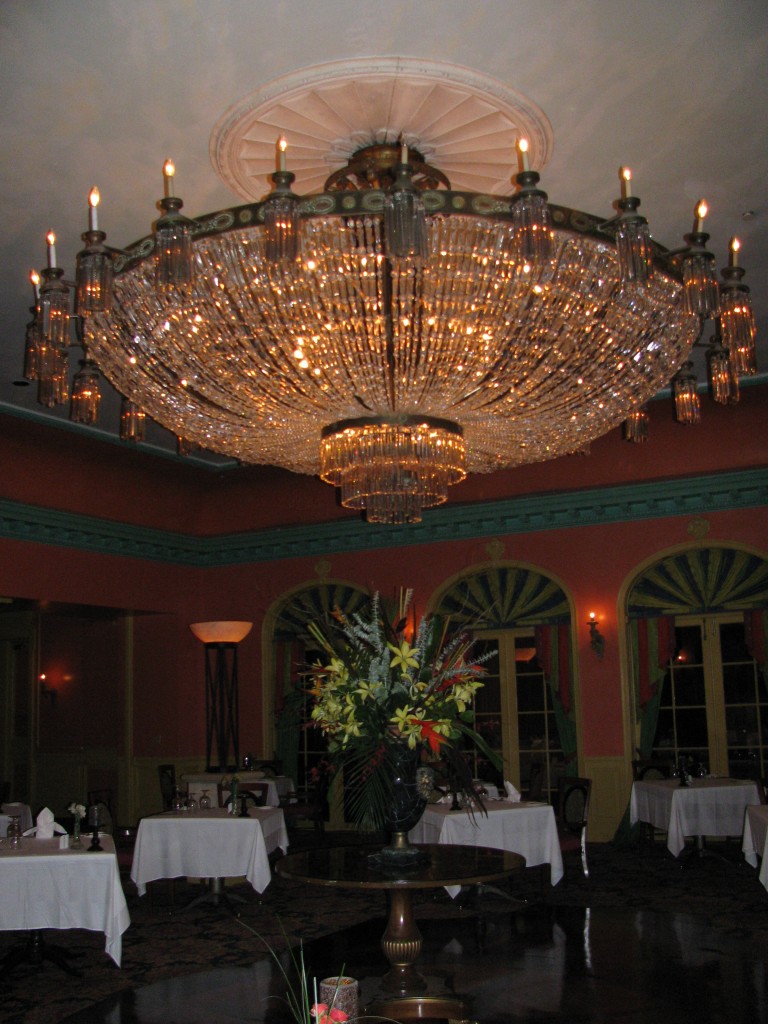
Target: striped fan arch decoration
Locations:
point(700, 581)
point(503, 597)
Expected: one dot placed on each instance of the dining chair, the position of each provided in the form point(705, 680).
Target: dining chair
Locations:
point(652, 768)
point(271, 768)
point(536, 778)
point(573, 795)
point(254, 792)
point(102, 798)
point(311, 804)
point(645, 769)
point(105, 819)
point(167, 776)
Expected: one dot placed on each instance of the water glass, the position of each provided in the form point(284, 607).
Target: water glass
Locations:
point(14, 830)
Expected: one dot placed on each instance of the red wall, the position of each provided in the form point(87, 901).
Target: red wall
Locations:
point(59, 470)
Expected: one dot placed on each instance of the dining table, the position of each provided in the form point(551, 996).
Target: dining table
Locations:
point(703, 807)
point(527, 827)
point(403, 993)
point(49, 883)
point(280, 788)
point(754, 844)
point(208, 844)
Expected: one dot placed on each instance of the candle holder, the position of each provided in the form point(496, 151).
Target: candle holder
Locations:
point(340, 994)
point(94, 822)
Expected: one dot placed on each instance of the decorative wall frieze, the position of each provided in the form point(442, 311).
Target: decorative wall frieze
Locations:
point(686, 496)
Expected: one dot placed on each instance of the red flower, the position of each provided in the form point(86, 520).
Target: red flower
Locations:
point(320, 1011)
point(434, 739)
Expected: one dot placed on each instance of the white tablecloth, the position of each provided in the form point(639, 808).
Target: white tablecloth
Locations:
point(278, 788)
point(208, 844)
point(707, 807)
point(22, 810)
point(755, 841)
point(528, 828)
point(42, 886)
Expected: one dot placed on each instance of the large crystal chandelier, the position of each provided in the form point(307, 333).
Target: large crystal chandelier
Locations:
point(389, 334)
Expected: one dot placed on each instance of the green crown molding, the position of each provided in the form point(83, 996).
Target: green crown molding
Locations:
point(686, 496)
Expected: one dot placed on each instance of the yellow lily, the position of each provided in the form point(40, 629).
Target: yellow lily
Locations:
point(404, 657)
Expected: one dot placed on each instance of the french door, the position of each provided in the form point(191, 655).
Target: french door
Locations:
point(714, 702)
point(515, 716)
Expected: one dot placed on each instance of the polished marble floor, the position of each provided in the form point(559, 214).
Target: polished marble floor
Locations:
point(536, 965)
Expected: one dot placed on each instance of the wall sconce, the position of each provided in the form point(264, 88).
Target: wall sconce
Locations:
point(596, 638)
point(47, 691)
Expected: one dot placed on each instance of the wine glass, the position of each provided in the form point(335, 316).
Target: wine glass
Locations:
point(205, 801)
point(191, 803)
point(14, 830)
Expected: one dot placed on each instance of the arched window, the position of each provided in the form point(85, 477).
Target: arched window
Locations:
point(300, 749)
point(525, 709)
point(697, 629)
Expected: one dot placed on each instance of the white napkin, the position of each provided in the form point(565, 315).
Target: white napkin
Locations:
point(46, 826)
point(513, 794)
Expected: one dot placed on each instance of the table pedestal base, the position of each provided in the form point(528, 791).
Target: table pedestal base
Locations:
point(34, 951)
point(698, 852)
point(420, 1007)
point(403, 992)
point(218, 897)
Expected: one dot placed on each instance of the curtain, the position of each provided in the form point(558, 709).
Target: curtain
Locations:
point(288, 702)
point(653, 641)
point(756, 636)
point(553, 647)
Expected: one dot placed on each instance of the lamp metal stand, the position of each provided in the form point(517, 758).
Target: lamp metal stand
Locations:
point(221, 706)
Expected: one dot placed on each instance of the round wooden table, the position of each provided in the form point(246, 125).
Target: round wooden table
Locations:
point(403, 991)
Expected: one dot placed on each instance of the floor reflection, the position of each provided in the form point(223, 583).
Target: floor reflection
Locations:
point(538, 965)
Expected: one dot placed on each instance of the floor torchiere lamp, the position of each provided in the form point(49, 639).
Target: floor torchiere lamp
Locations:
point(221, 692)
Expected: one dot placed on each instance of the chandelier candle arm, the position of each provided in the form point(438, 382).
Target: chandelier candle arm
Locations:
point(282, 240)
point(737, 318)
point(702, 295)
point(94, 271)
point(174, 256)
point(633, 238)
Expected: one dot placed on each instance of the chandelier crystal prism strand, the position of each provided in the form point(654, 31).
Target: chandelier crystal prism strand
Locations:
point(390, 334)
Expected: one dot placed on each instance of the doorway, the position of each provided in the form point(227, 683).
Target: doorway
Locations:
point(714, 702)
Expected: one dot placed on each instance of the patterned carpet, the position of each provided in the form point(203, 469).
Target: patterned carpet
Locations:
point(164, 943)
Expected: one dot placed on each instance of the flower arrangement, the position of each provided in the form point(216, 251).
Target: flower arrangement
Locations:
point(384, 686)
point(78, 813)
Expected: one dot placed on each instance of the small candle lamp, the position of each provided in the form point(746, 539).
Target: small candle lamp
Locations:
point(94, 823)
point(340, 994)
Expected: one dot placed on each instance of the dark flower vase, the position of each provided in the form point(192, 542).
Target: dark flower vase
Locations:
point(408, 803)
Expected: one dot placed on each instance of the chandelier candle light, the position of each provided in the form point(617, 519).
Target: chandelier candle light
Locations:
point(390, 334)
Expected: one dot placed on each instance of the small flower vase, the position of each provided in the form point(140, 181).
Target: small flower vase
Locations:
point(76, 833)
